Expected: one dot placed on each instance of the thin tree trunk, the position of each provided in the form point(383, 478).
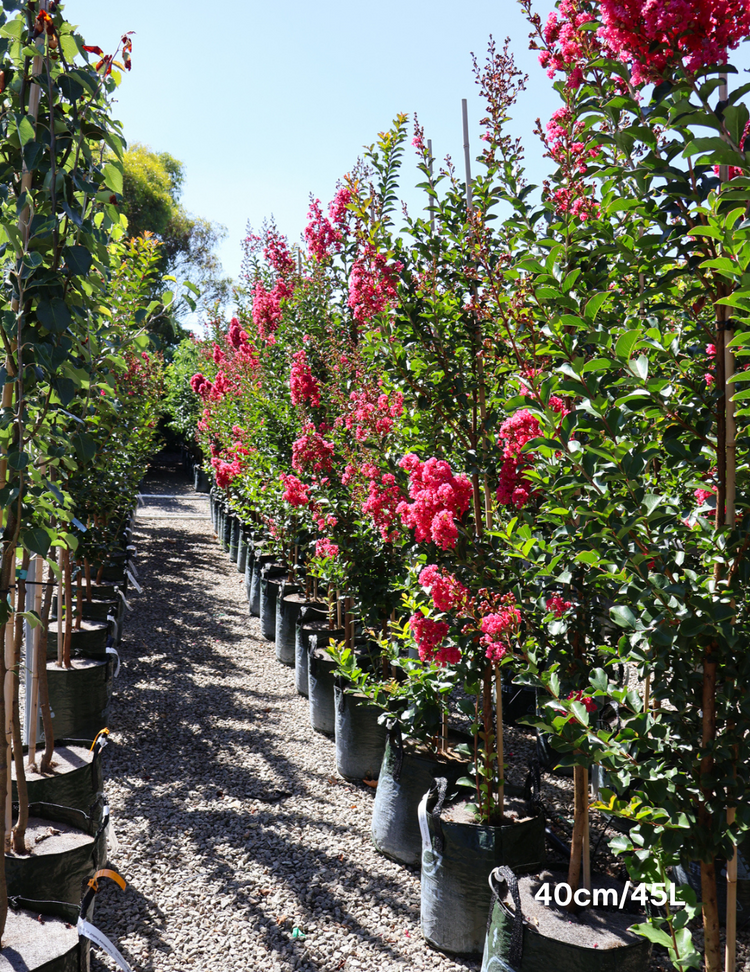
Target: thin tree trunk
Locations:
point(46, 710)
point(87, 570)
point(580, 803)
point(79, 602)
point(68, 608)
point(19, 831)
point(489, 749)
point(4, 785)
point(711, 932)
point(500, 745)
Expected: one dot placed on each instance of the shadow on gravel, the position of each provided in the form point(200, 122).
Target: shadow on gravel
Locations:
point(175, 696)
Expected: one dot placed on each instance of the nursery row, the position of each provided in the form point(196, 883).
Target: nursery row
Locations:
point(508, 439)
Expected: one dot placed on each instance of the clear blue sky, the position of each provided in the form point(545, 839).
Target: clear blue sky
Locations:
point(266, 103)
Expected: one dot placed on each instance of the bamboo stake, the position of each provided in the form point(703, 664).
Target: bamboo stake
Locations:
point(432, 201)
point(338, 608)
point(87, 570)
point(576, 845)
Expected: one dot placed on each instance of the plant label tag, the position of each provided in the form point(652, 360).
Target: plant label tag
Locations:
point(424, 826)
point(124, 599)
point(88, 930)
point(134, 569)
point(133, 581)
point(114, 651)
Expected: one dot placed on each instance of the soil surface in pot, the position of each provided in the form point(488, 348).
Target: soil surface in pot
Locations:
point(516, 810)
point(65, 760)
point(30, 941)
point(600, 927)
point(50, 837)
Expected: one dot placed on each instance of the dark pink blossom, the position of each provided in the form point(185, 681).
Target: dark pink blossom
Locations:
point(429, 635)
point(303, 385)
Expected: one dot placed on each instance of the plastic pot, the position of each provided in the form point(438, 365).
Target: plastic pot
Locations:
point(89, 641)
point(241, 551)
point(515, 945)
point(79, 697)
point(105, 592)
point(309, 620)
point(75, 781)
point(200, 480)
point(57, 875)
point(320, 681)
point(51, 945)
point(405, 775)
point(457, 859)
point(226, 529)
point(259, 562)
point(271, 578)
point(289, 604)
point(234, 539)
point(249, 564)
point(360, 738)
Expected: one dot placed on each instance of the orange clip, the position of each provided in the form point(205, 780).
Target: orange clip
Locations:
point(102, 732)
point(112, 875)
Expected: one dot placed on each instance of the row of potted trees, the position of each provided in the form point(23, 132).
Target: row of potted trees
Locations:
point(81, 384)
point(510, 440)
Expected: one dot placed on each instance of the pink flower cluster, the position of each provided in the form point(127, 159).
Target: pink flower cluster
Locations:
point(448, 593)
point(654, 36)
point(326, 549)
point(277, 253)
point(295, 492)
point(239, 340)
point(372, 284)
point(429, 636)
point(322, 237)
point(498, 627)
point(311, 451)
point(514, 489)
point(372, 413)
point(438, 497)
point(586, 700)
point(382, 503)
point(569, 47)
point(302, 383)
point(201, 386)
point(338, 210)
point(703, 495)
point(564, 142)
point(267, 308)
point(225, 472)
point(557, 605)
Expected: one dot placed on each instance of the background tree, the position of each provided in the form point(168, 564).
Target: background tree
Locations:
point(152, 188)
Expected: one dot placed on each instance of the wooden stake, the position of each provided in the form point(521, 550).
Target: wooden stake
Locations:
point(432, 201)
point(580, 801)
point(68, 609)
point(8, 696)
point(467, 155)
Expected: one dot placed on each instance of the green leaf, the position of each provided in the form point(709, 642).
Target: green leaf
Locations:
point(37, 540)
point(626, 342)
point(623, 616)
point(653, 934)
point(53, 314)
point(25, 128)
point(113, 177)
point(78, 260)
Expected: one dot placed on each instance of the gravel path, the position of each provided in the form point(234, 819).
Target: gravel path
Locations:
point(233, 828)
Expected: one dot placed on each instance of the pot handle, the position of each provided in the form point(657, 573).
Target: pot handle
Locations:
point(506, 876)
point(395, 740)
point(437, 793)
point(342, 684)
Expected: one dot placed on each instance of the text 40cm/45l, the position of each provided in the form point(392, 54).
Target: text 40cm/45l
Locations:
point(643, 894)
